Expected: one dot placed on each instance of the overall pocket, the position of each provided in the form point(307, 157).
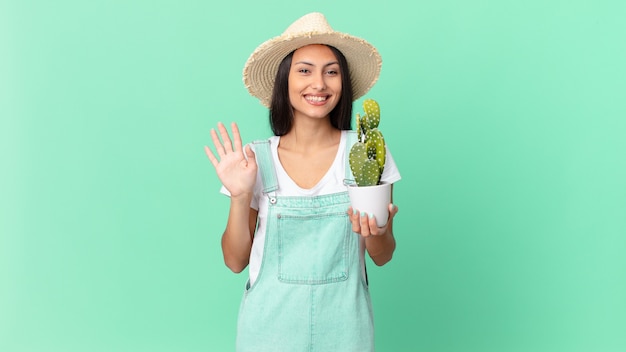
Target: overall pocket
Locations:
point(313, 249)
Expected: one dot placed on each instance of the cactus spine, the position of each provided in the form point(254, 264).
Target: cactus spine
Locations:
point(367, 156)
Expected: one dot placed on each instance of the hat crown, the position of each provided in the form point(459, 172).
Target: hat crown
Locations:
point(312, 23)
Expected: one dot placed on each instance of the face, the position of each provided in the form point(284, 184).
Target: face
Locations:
point(314, 81)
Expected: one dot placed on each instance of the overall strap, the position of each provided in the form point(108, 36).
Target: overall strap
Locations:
point(351, 138)
point(265, 162)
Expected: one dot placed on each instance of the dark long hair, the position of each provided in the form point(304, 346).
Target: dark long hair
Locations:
point(281, 111)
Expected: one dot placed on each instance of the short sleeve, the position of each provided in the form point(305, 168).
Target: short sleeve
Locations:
point(391, 174)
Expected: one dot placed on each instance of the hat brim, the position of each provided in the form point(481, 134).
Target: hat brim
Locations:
point(364, 62)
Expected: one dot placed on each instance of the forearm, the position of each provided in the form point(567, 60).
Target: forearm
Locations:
point(237, 237)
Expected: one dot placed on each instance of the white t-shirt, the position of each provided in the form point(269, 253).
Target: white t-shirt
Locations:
point(332, 182)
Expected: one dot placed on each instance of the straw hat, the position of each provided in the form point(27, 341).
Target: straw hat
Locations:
point(364, 61)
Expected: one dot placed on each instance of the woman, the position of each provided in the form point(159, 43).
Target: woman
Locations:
point(290, 219)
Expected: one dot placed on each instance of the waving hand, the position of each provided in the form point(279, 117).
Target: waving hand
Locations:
point(236, 170)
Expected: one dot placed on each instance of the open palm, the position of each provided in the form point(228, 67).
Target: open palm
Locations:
point(236, 170)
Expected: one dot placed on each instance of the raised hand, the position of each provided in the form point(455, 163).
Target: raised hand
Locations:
point(236, 171)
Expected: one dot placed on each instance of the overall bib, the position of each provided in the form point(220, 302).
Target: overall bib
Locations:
point(310, 294)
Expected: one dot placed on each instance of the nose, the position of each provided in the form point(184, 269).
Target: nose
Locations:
point(318, 82)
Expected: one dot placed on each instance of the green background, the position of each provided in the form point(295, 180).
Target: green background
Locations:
point(507, 120)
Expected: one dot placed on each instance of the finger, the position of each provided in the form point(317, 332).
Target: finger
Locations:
point(374, 229)
point(212, 157)
point(236, 136)
point(219, 148)
point(365, 229)
point(373, 226)
point(393, 210)
point(250, 154)
point(228, 145)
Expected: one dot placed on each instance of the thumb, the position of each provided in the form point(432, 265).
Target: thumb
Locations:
point(250, 154)
point(393, 209)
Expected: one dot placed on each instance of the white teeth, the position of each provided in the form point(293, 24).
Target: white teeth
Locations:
point(316, 99)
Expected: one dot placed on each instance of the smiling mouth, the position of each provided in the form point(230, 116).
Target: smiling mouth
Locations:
point(316, 98)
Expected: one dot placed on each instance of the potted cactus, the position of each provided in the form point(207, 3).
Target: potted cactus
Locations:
point(367, 162)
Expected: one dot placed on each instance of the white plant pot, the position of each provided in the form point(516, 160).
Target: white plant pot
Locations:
point(373, 200)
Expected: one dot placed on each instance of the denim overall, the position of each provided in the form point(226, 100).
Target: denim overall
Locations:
point(310, 294)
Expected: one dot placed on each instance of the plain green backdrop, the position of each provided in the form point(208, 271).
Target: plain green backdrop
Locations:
point(507, 120)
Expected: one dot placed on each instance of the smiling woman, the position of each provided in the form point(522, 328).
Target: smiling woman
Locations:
point(290, 219)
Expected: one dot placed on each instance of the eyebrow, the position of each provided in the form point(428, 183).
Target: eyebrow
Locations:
point(310, 64)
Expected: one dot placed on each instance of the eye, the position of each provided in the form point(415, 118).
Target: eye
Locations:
point(332, 72)
point(304, 70)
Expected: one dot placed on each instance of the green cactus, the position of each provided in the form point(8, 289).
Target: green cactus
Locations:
point(358, 157)
point(367, 156)
point(372, 111)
